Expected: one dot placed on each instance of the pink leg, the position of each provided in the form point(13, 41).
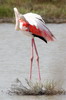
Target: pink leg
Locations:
point(37, 59)
point(31, 59)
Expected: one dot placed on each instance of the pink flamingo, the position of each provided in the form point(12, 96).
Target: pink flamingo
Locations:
point(33, 25)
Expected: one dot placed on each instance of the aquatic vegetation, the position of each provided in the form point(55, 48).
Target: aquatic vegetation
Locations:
point(37, 88)
point(54, 11)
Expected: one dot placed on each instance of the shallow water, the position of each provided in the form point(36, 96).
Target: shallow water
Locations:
point(15, 50)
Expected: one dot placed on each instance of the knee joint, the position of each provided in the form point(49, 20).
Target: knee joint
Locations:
point(37, 58)
point(31, 58)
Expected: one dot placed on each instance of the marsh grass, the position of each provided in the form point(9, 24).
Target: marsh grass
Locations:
point(6, 11)
point(48, 10)
point(37, 88)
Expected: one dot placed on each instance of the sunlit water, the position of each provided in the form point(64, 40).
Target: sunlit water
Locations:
point(15, 51)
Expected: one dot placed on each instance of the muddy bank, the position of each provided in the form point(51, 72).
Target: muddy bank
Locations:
point(55, 20)
point(7, 20)
point(47, 20)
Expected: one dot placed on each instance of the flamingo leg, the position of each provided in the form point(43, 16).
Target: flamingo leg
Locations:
point(32, 56)
point(37, 59)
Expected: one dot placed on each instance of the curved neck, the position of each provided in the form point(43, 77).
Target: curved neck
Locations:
point(17, 19)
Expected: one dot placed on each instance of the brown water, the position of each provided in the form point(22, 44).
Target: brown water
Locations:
point(15, 60)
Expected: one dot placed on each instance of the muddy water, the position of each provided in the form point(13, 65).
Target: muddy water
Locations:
point(15, 60)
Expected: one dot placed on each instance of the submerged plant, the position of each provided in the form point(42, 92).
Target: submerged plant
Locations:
point(49, 88)
point(50, 85)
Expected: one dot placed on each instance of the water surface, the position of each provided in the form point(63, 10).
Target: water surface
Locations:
point(15, 51)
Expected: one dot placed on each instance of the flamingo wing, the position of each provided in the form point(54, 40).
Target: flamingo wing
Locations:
point(37, 27)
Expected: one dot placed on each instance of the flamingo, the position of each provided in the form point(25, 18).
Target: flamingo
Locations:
point(33, 25)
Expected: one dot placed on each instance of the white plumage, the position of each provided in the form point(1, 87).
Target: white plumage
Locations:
point(33, 25)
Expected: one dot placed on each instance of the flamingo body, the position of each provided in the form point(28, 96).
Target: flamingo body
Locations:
point(44, 34)
point(33, 25)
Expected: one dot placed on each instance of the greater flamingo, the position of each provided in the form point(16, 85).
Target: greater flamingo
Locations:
point(33, 25)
